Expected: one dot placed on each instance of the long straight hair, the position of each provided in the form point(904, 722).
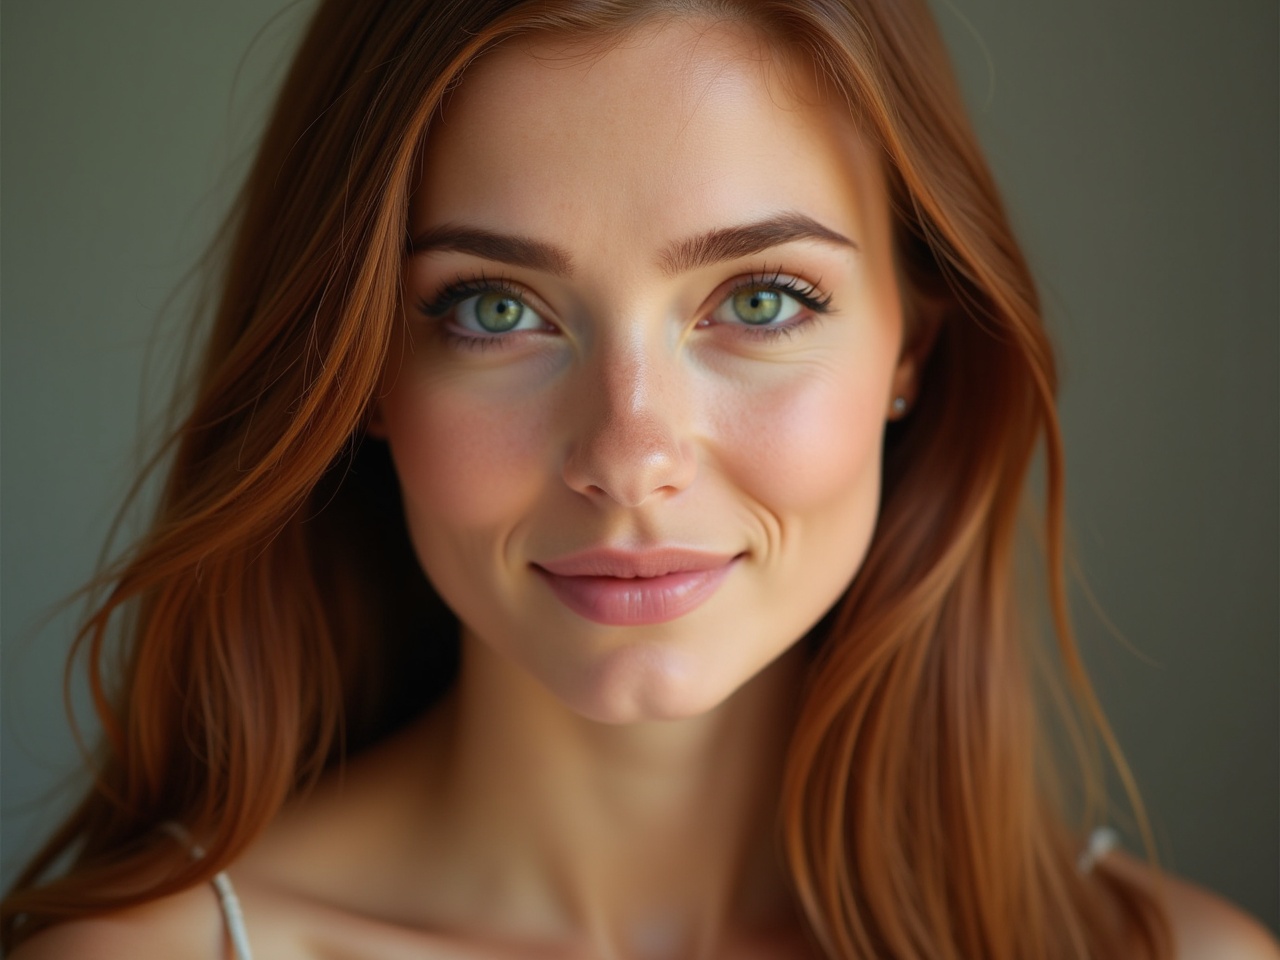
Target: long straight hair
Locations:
point(268, 619)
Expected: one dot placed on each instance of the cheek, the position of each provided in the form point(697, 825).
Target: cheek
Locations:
point(808, 441)
point(463, 461)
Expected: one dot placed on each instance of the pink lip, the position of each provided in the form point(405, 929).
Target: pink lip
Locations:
point(625, 588)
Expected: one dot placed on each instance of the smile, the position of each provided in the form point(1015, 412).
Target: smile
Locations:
point(624, 589)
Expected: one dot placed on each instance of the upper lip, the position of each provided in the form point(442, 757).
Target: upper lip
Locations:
point(627, 564)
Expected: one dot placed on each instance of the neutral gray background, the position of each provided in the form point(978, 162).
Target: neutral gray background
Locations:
point(1136, 144)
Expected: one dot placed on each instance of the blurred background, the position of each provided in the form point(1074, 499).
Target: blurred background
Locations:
point(1136, 145)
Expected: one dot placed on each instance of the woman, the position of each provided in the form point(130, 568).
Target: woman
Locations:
point(685, 349)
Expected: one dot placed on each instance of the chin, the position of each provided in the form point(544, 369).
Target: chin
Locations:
point(643, 683)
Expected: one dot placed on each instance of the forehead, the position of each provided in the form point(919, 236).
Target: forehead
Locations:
point(670, 128)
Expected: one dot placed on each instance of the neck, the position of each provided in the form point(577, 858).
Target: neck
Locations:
point(646, 840)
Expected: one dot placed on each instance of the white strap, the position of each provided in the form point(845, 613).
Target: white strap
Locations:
point(1101, 842)
point(227, 899)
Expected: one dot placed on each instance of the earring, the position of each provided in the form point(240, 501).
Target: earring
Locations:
point(899, 406)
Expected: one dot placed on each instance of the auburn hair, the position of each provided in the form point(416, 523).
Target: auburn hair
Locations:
point(267, 623)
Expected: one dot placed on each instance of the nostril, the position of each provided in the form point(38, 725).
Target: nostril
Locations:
point(628, 473)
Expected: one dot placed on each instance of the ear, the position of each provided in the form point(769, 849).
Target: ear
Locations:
point(923, 327)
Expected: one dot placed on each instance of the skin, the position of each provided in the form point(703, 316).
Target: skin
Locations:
point(593, 790)
point(634, 417)
point(639, 412)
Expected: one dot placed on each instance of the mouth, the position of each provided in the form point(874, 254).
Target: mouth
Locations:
point(635, 588)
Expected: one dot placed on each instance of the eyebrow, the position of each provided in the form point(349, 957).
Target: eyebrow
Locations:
point(503, 248)
point(705, 249)
point(732, 243)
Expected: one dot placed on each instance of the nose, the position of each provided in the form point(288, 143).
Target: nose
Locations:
point(631, 441)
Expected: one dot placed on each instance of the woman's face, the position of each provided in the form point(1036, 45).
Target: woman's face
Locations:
point(653, 336)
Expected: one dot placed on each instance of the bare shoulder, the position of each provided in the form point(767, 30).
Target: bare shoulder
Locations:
point(1205, 926)
point(185, 926)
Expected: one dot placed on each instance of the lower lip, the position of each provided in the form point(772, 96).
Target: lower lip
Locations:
point(637, 601)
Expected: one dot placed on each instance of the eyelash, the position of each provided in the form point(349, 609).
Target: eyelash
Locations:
point(807, 294)
point(454, 294)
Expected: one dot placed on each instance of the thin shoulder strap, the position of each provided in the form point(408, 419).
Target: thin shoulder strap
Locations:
point(227, 899)
point(1101, 842)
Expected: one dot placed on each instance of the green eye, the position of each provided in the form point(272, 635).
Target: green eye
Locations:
point(497, 312)
point(757, 305)
point(774, 304)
